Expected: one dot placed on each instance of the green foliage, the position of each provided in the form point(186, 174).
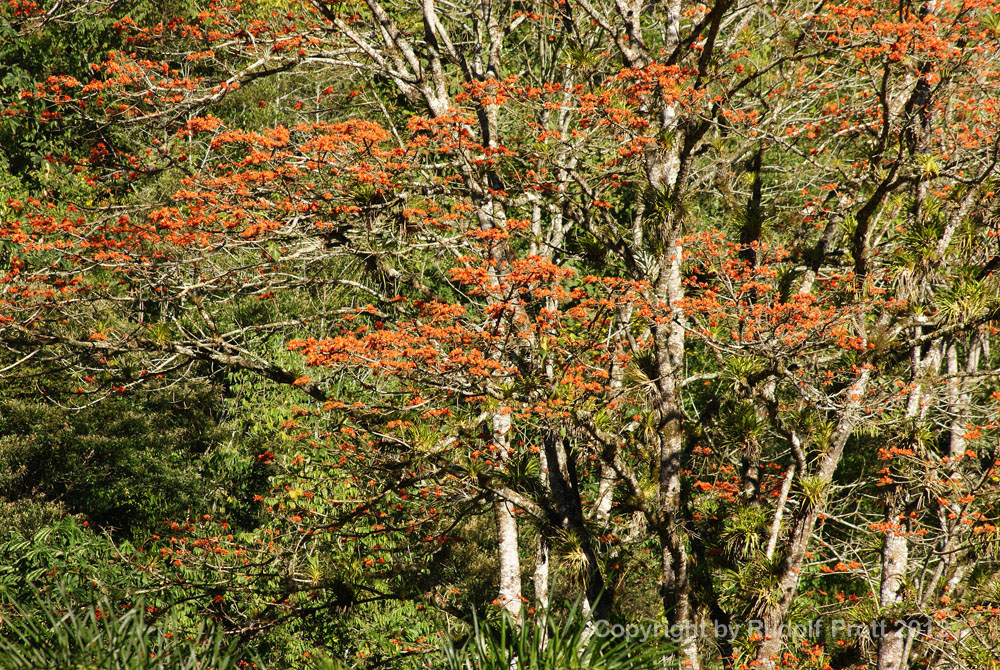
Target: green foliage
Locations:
point(54, 631)
point(126, 463)
point(42, 550)
point(574, 643)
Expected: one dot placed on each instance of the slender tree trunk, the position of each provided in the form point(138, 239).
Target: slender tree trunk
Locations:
point(616, 375)
point(805, 524)
point(665, 173)
point(565, 489)
point(510, 561)
point(895, 547)
point(779, 512)
point(543, 547)
point(953, 559)
point(669, 341)
point(540, 578)
point(605, 493)
point(895, 556)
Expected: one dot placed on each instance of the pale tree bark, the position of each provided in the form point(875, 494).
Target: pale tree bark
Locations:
point(959, 398)
point(779, 512)
point(895, 558)
point(664, 173)
point(953, 563)
point(543, 544)
point(668, 336)
point(669, 347)
point(805, 524)
point(510, 561)
point(540, 580)
point(608, 479)
point(605, 494)
point(895, 546)
point(540, 577)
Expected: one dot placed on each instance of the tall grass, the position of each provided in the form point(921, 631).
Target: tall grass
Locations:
point(53, 632)
point(548, 644)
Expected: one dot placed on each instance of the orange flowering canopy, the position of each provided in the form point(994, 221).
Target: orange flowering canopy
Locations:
point(679, 311)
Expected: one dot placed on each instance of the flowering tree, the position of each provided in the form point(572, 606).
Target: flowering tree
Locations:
point(702, 292)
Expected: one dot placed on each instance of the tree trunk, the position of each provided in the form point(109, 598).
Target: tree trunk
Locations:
point(566, 495)
point(805, 524)
point(616, 375)
point(540, 578)
point(895, 556)
point(669, 342)
point(543, 547)
point(510, 560)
